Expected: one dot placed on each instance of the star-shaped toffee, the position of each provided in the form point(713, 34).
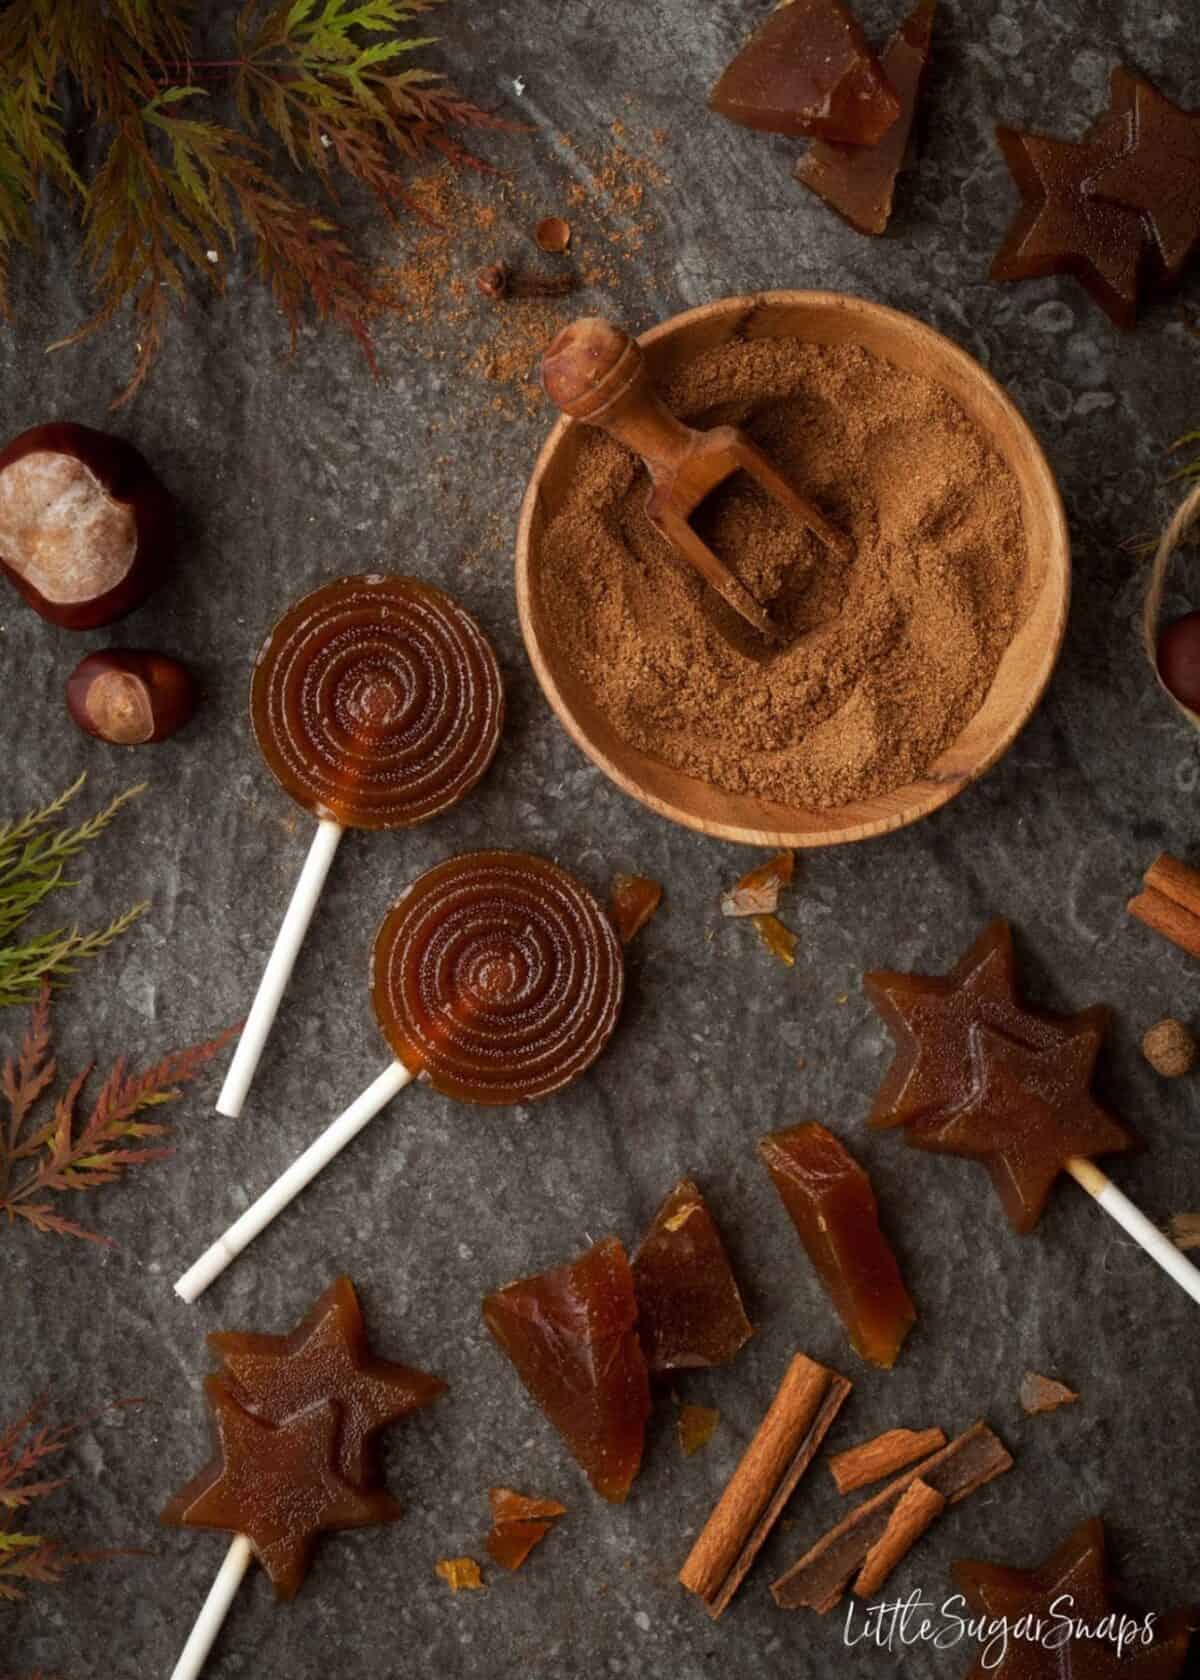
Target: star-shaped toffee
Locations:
point(930, 1018)
point(1030, 1113)
point(327, 1357)
point(1160, 174)
point(1076, 1571)
point(1063, 228)
point(279, 1486)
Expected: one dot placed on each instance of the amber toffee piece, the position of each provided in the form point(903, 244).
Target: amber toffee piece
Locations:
point(859, 182)
point(757, 892)
point(832, 1205)
point(279, 1487)
point(570, 1336)
point(326, 1358)
point(519, 1523)
point(377, 702)
point(695, 1427)
point(930, 1018)
point(818, 1579)
point(808, 69)
point(785, 1443)
point(633, 901)
point(1077, 1570)
point(497, 978)
point(690, 1312)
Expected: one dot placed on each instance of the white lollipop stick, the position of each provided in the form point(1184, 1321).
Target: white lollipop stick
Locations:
point(279, 969)
point(216, 1608)
point(302, 1171)
point(1131, 1219)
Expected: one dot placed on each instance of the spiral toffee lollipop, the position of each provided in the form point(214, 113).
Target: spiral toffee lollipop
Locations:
point(377, 703)
point(496, 978)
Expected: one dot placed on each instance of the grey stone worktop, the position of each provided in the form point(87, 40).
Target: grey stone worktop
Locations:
point(290, 472)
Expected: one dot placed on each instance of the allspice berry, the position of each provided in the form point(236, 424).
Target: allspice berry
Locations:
point(1170, 1049)
point(130, 698)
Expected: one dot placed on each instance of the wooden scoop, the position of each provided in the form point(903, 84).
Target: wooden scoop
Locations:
point(595, 372)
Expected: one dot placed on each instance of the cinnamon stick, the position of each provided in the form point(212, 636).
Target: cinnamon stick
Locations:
point(1175, 880)
point(817, 1580)
point(918, 1506)
point(870, 1461)
point(1170, 903)
point(784, 1445)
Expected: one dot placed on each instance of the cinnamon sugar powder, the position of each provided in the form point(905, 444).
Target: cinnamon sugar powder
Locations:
point(886, 656)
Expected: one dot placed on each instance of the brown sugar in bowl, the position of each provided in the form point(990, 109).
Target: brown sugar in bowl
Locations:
point(827, 318)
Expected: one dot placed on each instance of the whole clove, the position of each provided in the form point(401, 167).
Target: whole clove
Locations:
point(500, 280)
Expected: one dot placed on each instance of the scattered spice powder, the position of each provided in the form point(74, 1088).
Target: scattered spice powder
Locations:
point(887, 655)
point(462, 225)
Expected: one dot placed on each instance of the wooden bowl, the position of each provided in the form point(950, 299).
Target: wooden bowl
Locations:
point(817, 318)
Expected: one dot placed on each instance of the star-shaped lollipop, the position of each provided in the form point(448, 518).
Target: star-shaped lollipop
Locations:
point(1160, 174)
point(930, 1018)
point(327, 1357)
point(1062, 228)
point(296, 1418)
point(277, 1486)
point(978, 1073)
point(1075, 1572)
point(1030, 1113)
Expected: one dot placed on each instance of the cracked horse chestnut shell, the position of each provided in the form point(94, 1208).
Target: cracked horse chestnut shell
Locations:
point(86, 528)
point(130, 698)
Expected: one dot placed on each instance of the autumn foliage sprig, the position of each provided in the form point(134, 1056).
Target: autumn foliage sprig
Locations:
point(67, 1151)
point(34, 854)
point(330, 82)
point(27, 1449)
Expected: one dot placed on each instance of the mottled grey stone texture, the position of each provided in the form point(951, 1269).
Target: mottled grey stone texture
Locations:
point(290, 472)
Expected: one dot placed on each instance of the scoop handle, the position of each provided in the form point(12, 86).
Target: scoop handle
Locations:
point(595, 372)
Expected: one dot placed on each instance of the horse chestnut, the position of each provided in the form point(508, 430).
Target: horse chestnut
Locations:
point(129, 698)
point(86, 529)
point(1179, 659)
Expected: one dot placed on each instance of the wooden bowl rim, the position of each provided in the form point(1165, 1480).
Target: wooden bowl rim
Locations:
point(928, 796)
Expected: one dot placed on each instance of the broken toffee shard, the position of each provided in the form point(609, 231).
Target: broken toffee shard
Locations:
point(832, 1205)
point(859, 182)
point(690, 1310)
point(570, 1335)
point(808, 70)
